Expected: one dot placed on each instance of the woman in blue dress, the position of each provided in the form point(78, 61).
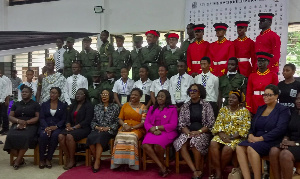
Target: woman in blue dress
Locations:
point(268, 127)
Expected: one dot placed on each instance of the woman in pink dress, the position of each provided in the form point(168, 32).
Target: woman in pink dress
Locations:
point(160, 125)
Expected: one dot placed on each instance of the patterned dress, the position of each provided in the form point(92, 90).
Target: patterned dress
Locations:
point(108, 118)
point(202, 141)
point(125, 149)
point(55, 80)
point(230, 123)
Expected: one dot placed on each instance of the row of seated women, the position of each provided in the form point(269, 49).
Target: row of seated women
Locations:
point(271, 132)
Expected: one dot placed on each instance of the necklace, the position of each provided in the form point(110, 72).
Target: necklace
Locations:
point(233, 111)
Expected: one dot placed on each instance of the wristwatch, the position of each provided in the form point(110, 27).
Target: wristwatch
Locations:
point(156, 127)
point(297, 144)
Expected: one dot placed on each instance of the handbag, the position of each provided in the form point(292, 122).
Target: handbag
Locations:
point(235, 173)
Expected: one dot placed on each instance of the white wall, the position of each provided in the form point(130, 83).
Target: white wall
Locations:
point(120, 16)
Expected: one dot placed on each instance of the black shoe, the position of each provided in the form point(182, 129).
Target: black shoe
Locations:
point(1, 142)
point(96, 170)
point(4, 131)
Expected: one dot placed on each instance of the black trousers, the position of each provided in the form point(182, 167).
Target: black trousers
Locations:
point(215, 107)
point(3, 116)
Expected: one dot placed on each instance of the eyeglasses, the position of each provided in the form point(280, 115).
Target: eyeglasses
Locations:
point(193, 90)
point(267, 95)
point(104, 94)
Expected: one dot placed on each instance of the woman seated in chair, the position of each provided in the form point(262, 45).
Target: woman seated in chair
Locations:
point(230, 128)
point(287, 153)
point(24, 116)
point(196, 118)
point(160, 124)
point(78, 126)
point(52, 121)
point(104, 126)
point(267, 130)
point(131, 119)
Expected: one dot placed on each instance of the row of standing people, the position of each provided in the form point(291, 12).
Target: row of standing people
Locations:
point(192, 50)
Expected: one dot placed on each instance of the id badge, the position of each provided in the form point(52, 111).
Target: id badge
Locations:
point(143, 98)
point(178, 95)
point(123, 99)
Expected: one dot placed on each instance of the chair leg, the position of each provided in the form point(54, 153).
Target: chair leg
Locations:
point(11, 159)
point(177, 162)
point(60, 157)
point(167, 156)
point(87, 157)
point(36, 155)
point(144, 160)
point(140, 151)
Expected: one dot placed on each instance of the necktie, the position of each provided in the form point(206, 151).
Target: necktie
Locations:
point(58, 61)
point(178, 83)
point(204, 80)
point(74, 85)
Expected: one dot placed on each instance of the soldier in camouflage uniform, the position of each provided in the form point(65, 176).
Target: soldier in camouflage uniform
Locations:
point(105, 51)
point(184, 45)
point(95, 88)
point(151, 54)
point(110, 79)
point(121, 56)
point(173, 55)
point(136, 57)
point(89, 59)
point(70, 56)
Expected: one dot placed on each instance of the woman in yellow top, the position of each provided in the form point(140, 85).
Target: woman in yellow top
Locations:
point(131, 118)
point(230, 128)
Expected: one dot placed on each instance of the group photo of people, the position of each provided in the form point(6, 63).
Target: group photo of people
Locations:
point(212, 105)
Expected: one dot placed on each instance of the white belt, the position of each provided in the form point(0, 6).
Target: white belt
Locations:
point(244, 59)
point(258, 92)
point(220, 63)
point(196, 62)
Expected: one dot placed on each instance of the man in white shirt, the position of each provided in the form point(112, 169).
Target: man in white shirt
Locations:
point(7, 92)
point(29, 83)
point(159, 84)
point(59, 55)
point(179, 84)
point(210, 83)
point(76, 81)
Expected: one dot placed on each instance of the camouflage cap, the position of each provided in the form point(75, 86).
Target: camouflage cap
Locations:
point(96, 73)
point(87, 39)
point(70, 39)
point(120, 37)
point(111, 69)
point(137, 38)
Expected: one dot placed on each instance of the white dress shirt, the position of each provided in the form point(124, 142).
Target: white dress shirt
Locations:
point(3, 90)
point(212, 86)
point(185, 81)
point(33, 87)
point(59, 57)
point(9, 85)
point(143, 86)
point(157, 86)
point(123, 88)
point(82, 82)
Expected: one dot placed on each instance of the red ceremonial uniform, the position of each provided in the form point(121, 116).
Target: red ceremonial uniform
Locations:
point(268, 41)
point(245, 51)
point(256, 87)
point(195, 52)
point(219, 53)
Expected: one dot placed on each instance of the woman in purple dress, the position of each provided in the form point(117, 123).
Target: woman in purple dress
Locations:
point(267, 130)
point(160, 124)
point(196, 119)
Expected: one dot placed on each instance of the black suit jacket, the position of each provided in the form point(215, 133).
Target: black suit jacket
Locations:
point(84, 116)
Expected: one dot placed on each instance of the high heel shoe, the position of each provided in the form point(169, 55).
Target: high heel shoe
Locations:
point(68, 168)
point(96, 170)
point(16, 167)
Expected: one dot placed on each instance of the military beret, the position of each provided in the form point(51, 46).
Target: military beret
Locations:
point(173, 35)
